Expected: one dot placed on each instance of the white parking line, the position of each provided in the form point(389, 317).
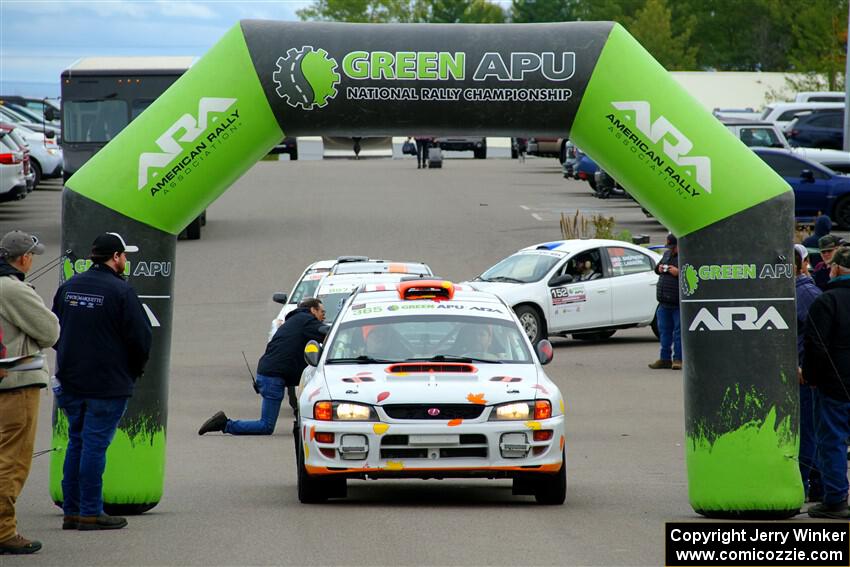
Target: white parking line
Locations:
point(538, 217)
point(523, 207)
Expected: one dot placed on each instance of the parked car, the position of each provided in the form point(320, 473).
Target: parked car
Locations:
point(46, 107)
point(45, 153)
point(740, 113)
point(478, 146)
point(545, 147)
point(820, 129)
point(585, 288)
point(820, 96)
point(427, 379)
point(15, 137)
point(13, 183)
point(586, 169)
point(10, 115)
point(817, 189)
point(782, 113)
point(381, 267)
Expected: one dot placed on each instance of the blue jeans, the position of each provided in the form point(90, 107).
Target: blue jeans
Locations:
point(808, 463)
point(832, 428)
point(670, 329)
point(91, 427)
point(272, 390)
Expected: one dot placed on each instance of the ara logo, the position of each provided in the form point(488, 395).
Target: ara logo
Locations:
point(192, 129)
point(743, 318)
point(676, 149)
point(306, 78)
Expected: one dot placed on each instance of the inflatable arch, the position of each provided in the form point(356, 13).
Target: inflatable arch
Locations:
point(591, 80)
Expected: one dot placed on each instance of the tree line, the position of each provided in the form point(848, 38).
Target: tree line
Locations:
point(804, 36)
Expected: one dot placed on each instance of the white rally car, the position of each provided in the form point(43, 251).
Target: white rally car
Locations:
point(426, 379)
point(588, 288)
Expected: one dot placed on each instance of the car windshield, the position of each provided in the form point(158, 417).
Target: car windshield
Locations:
point(452, 338)
point(306, 287)
point(333, 303)
point(524, 267)
point(382, 268)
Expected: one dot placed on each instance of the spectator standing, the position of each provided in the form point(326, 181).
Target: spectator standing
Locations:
point(102, 351)
point(806, 292)
point(423, 143)
point(823, 226)
point(826, 365)
point(667, 314)
point(827, 244)
point(279, 368)
point(29, 327)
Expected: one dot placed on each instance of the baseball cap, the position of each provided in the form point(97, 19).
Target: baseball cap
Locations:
point(18, 243)
point(842, 257)
point(801, 252)
point(829, 242)
point(109, 243)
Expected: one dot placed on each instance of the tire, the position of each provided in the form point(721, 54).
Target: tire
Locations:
point(594, 336)
point(36, 168)
point(592, 183)
point(562, 154)
point(531, 323)
point(312, 490)
point(293, 155)
point(514, 153)
point(480, 154)
point(841, 213)
point(193, 231)
point(551, 490)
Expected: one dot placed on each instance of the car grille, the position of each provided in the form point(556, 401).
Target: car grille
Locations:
point(396, 447)
point(421, 411)
point(431, 367)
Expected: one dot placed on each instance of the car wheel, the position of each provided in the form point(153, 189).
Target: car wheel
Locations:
point(531, 323)
point(514, 153)
point(551, 490)
point(842, 213)
point(595, 336)
point(36, 168)
point(309, 488)
point(592, 183)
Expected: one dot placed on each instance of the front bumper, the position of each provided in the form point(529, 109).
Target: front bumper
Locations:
point(432, 449)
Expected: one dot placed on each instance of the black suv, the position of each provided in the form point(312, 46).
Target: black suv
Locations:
point(477, 146)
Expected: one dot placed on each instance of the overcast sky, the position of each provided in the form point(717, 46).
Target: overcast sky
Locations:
point(40, 38)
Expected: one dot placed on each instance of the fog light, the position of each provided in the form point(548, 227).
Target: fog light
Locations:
point(329, 453)
point(353, 447)
point(514, 445)
point(539, 435)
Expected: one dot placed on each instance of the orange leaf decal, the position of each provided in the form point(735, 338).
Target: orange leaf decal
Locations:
point(383, 396)
point(312, 433)
point(476, 398)
point(454, 422)
point(315, 393)
point(304, 433)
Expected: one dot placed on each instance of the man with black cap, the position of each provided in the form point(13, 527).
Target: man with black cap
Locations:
point(28, 326)
point(102, 350)
point(667, 315)
point(827, 244)
point(826, 366)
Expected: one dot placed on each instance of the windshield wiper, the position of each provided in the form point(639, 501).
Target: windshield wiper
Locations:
point(505, 279)
point(452, 358)
point(362, 359)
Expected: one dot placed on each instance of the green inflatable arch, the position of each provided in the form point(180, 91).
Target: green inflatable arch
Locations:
point(591, 80)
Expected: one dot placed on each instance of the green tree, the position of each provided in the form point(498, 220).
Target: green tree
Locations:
point(652, 26)
point(463, 12)
point(359, 11)
point(531, 11)
point(820, 34)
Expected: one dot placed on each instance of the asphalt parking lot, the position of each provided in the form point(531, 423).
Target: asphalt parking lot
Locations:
point(233, 501)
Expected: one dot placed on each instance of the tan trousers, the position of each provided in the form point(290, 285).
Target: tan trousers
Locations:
point(18, 421)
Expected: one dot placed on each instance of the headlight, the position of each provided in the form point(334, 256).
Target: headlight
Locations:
point(517, 411)
point(352, 412)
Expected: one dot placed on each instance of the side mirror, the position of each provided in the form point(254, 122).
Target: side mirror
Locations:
point(807, 175)
point(312, 353)
point(49, 134)
point(49, 114)
point(280, 298)
point(561, 280)
point(545, 352)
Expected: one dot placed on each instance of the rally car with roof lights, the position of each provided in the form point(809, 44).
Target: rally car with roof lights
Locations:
point(427, 379)
point(585, 288)
point(308, 283)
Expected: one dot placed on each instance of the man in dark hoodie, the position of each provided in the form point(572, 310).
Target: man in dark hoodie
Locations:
point(103, 348)
point(279, 368)
point(667, 314)
point(823, 226)
point(826, 366)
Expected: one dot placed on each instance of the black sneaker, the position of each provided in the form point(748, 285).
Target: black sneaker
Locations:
point(70, 522)
point(216, 423)
point(836, 511)
point(19, 545)
point(102, 522)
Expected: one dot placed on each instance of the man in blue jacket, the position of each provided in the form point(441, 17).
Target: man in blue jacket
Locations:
point(279, 368)
point(104, 344)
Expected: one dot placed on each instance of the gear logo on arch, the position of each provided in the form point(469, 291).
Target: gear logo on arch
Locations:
point(689, 280)
point(306, 78)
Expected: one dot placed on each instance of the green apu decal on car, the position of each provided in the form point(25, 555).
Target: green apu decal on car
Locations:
point(676, 162)
point(189, 146)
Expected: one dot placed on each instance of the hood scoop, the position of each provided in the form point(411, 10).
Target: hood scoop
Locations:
point(431, 368)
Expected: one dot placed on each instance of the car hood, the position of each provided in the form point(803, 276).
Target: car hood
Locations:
point(505, 290)
point(427, 382)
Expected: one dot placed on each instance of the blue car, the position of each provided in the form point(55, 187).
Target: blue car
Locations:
point(585, 170)
point(817, 189)
point(822, 129)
